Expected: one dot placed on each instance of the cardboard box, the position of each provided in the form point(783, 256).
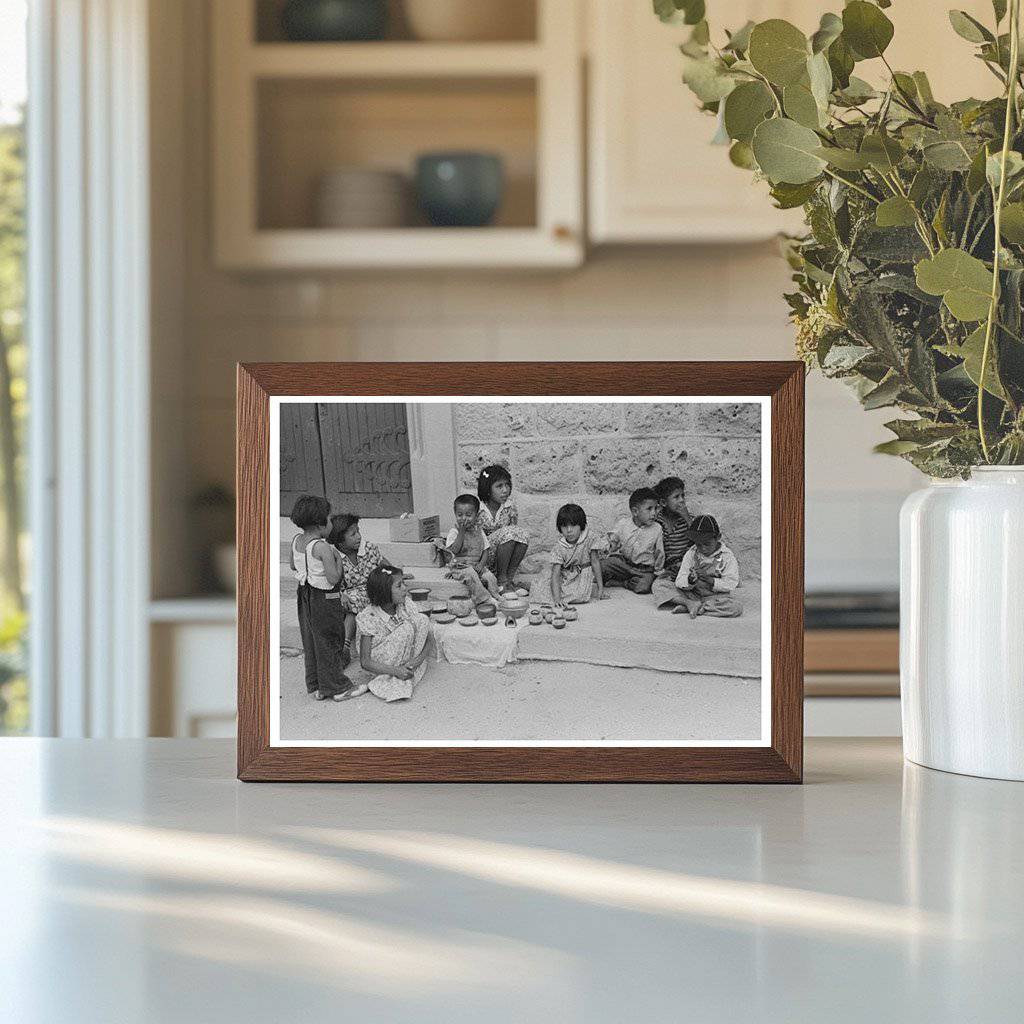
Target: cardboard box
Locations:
point(414, 529)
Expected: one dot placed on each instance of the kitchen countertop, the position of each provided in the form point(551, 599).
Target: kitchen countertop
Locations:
point(140, 882)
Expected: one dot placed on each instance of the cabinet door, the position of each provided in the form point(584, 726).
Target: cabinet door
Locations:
point(653, 174)
point(654, 177)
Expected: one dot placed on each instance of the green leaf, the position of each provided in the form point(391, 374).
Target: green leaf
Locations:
point(993, 166)
point(829, 29)
point(885, 394)
point(779, 51)
point(739, 41)
point(866, 29)
point(1011, 226)
point(701, 34)
point(844, 159)
point(883, 152)
point(963, 281)
point(745, 108)
point(857, 91)
point(976, 173)
point(895, 212)
point(924, 88)
point(841, 63)
point(741, 155)
point(895, 447)
point(801, 106)
point(690, 12)
point(971, 351)
point(922, 185)
point(786, 151)
point(707, 78)
point(999, 9)
point(969, 28)
point(947, 156)
point(923, 431)
point(819, 74)
point(788, 196)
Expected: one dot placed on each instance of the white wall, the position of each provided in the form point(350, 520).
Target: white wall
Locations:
point(653, 303)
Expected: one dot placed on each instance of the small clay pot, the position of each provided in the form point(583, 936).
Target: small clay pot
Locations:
point(558, 622)
point(550, 617)
point(570, 615)
point(490, 620)
point(468, 620)
point(444, 619)
point(536, 618)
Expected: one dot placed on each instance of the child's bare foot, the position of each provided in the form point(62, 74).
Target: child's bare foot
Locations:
point(356, 691)
point(316, 695)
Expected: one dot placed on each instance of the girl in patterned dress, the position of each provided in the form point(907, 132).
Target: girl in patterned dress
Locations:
point(357, 561)
point(499, 519)
point(393, 636)
point(575, 562)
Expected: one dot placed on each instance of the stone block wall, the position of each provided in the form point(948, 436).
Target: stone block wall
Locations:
point(595, 454)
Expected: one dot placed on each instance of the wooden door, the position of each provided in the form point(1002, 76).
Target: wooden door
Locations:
point(365, 448)
point(302, 470)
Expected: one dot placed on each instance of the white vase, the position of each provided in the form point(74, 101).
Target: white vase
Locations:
point(962, 624)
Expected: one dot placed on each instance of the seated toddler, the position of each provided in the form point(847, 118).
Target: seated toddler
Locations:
point(465, 551)
point(708, 574)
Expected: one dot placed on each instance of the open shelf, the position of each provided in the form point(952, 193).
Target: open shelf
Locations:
point(286, 114)
point(308, 127)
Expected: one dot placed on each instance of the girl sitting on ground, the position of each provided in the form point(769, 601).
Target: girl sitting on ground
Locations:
point(394, 636)
point(317, 569)
point(499, 519)
point(575, 562)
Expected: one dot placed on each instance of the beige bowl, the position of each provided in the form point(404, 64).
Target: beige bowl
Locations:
point(471, 20)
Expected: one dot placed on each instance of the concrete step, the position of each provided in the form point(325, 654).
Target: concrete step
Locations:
point(626, 630)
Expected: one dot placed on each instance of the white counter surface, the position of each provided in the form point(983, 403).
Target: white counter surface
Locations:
point(140, 882)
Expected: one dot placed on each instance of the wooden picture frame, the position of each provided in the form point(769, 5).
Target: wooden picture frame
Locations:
point(779, 760)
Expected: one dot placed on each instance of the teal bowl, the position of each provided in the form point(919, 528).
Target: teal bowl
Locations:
point(334, 21)
point(462, 190)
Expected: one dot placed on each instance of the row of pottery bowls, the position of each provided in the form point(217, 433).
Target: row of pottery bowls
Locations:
point(453, 189)
point(430, 20)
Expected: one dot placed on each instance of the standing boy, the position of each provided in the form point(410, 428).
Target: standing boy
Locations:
point(674, 517)
point(637, 553)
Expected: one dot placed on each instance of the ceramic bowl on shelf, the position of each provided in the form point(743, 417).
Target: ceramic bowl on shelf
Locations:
point(445, 619)
point(419, 593)
point(570, 615)
point(334, 21)
point(488, 620)
point(362, 197)
point(468, 620)
point(470, 20)
point(460, 189)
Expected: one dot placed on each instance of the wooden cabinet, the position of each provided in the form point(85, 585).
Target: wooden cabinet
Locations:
point(654, 177)
point(288, 114)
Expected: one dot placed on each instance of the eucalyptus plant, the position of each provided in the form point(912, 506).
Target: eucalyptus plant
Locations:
point(910, 277)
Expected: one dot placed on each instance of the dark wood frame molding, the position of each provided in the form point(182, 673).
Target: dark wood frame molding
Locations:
point(782, 761)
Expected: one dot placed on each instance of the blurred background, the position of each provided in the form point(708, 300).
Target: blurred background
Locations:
point(360, 180)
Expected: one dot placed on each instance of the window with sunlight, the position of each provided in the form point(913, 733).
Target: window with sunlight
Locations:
point(14, 691)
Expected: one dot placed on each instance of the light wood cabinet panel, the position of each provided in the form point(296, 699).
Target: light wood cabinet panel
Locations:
point(653, 175)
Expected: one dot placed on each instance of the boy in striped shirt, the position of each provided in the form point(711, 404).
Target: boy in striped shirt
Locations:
point(674, 518)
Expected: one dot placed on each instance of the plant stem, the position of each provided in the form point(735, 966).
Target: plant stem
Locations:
point(853, 185)
point(1011, 107)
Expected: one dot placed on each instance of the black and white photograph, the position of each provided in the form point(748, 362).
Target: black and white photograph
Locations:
point(509, 571)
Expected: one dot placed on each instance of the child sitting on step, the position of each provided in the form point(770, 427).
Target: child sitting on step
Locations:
point(575, 562)
point(637, 549)
point(465, 551)
point(708, 574)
